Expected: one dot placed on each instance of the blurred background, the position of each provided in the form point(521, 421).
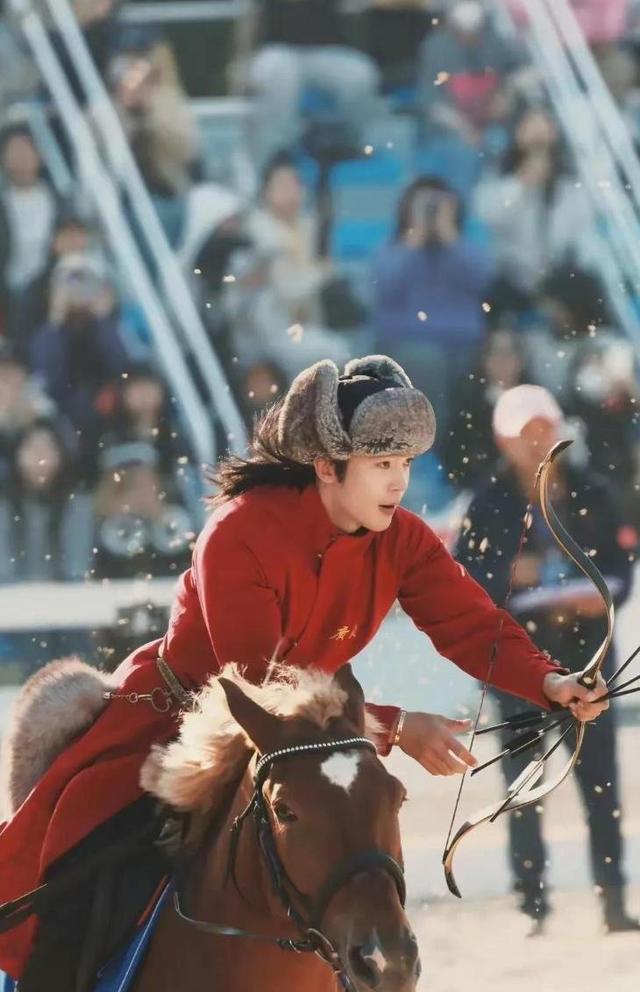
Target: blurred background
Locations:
point(198, 198)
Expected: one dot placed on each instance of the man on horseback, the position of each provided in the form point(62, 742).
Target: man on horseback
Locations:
point(305, 553)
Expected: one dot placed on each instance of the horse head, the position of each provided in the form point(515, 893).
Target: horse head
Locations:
point(315, 837)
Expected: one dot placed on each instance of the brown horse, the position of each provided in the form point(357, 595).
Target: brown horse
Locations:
point(292, 844)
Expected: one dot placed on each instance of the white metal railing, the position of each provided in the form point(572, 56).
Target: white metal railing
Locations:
point(182, 11)
point(124, 168)
point(610, 120)
point(618, 254)
point(597, 166)
point(107, 203)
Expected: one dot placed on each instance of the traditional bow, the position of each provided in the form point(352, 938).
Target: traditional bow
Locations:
point(525, 791)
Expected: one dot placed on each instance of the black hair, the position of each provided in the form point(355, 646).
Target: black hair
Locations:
point(515, 155)
point(20, 129)
point(280, 160)
point(65, 441)
point(68, 215)
point(425, 182)
point(581, 292)
point(267, 465)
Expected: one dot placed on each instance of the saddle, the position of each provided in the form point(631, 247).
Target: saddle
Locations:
point(94, 894)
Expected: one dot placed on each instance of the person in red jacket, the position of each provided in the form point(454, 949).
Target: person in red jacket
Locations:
point(306, 551)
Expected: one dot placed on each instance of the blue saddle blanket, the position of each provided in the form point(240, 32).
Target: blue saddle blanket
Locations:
point(118, 974)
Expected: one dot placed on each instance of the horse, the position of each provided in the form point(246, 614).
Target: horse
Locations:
point(288, 867)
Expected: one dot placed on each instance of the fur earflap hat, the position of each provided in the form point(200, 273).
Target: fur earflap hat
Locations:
point(371, 409)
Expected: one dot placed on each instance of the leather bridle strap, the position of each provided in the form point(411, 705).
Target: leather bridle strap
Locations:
point(217, 930)
point(365, 861)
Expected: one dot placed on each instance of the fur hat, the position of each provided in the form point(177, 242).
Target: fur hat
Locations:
point(393, 419)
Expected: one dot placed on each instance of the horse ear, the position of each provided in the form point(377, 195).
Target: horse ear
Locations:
point(262, 727)
point(354, 707)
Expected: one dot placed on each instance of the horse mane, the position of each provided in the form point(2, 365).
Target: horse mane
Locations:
point(194, 771)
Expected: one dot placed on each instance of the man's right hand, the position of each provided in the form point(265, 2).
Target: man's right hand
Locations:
point(430, 739)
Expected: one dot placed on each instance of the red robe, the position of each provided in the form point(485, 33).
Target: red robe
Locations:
point(270, 574)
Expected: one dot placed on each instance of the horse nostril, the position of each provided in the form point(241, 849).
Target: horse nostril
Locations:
point(363, 967)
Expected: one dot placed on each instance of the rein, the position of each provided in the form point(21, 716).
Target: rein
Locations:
point(312, 938)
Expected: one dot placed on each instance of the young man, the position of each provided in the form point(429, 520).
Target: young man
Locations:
point(305, 553)
point(568, 620)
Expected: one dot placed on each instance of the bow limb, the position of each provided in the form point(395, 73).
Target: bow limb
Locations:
point(586, 565)
point(525, 791)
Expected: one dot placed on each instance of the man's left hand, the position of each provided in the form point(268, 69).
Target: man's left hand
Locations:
point(566, 690)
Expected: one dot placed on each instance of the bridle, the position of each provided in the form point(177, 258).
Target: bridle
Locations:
point(312, 937)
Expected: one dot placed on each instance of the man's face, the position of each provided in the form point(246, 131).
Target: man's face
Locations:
point(21, 161)
point(369, 493)
point(536, 438)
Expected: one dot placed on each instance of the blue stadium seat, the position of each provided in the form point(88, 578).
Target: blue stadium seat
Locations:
point(367, 188)
point(403, 99)
point(395, 133)
point(353, 240)
point(384, 168)
point(476, 231)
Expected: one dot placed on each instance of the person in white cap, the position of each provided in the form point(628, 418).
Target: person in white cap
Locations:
point(564, 615)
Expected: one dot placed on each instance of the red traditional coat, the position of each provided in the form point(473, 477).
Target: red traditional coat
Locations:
point(270, 574)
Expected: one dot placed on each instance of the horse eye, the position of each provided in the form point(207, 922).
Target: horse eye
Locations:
point(284, 814)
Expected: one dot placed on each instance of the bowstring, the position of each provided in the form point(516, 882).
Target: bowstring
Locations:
point(526, 524)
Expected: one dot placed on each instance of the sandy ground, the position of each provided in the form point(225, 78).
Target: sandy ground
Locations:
point(482, 942)
point(482, 946)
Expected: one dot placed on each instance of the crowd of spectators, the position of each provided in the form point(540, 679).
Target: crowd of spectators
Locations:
point(486, 276)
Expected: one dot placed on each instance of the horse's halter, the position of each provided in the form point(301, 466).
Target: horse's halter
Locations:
point(313, 939)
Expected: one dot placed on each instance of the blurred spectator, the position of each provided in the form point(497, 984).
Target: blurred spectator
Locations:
point(213, 230)
point(45, 531)
point(276, 298)
point(143, 529)
point(552, 598)
point(603, 390)
point(140, 414)
point(27, 213)
point(538, 213)
point(571, 306)
point(71, 235)
point(430, 284)
point(261, 384)
point(469, 450)
point(98, 21)
point(464, 69)
point(21, 404)
point(78, 351)
point(159, 125)
point(300, 44)
point(619, 68)
point(395, 30)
